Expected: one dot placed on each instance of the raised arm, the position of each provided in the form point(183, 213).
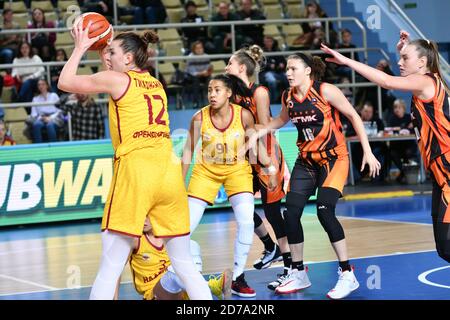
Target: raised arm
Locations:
point(415, 83)
point(337, 99)
point(191, 142)
point(110, 82)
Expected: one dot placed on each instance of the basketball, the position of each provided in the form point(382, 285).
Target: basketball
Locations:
point(100, 27)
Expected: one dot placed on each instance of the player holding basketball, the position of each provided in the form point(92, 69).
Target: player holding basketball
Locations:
point(243, 64)
point(147, 181)
point(420, 74)
point(222, 128)
point(314, 107)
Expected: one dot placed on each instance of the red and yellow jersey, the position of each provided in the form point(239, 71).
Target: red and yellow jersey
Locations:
point(319, 127)
point(148, 264)
point(431, 119)
point(221, 146)
point(7, 141)
point(139, 118)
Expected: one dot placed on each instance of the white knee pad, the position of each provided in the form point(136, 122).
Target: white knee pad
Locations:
point(245, 233)
point(196, 255)
point(243, 207)
point(170, 282)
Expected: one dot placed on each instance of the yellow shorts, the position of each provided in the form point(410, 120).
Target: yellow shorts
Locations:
point(147, 182)
point(205, 181)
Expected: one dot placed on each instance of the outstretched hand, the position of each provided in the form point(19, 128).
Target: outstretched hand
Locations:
point(404, 39)
point(337, 57)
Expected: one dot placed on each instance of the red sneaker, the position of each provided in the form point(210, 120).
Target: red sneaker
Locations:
point(240, 288)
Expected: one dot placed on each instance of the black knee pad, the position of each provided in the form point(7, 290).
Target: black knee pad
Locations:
point(443, 249)
point(257, 220)
point(294, 204)
point(326, 205)
point(273, 215)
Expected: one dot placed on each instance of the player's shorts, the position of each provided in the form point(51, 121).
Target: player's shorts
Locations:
point(307, 176)
point(147, 182)
point(206, 180)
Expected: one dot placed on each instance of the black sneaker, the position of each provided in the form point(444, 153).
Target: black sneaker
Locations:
point(240, 288)
point(267, 258)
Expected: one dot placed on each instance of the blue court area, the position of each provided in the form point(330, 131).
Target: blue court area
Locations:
point(405, 276)
point(416, 276)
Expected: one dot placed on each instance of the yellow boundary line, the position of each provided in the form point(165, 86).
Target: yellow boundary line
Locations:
point(379, 195)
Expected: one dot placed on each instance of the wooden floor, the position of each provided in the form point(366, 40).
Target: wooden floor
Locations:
point(47, 263)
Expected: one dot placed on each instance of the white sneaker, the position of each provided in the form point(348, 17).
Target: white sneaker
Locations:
point(346, 284)
point(267, 258)
point(296, 280)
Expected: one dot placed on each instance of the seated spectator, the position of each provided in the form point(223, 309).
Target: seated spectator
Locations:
point(274, 73)
point(55, 71)
point(199, 72)
point(251, 34)
point(149, 11)
point(86, 117)
point(222, 34)
point(313, 11)
point(26, 77)
point(104, 7)
point(42, 42)
point(371, 93)
point(341, 70)
point(46, 116)
point(401, 151)
point(374, 126)
point(9, 43)
point(5, 140)
point(192, 35)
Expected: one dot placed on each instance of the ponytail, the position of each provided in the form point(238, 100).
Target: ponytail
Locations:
point(235, 84)
point(137, 45)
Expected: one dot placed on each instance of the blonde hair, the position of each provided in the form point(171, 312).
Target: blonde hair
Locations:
point(252, 57)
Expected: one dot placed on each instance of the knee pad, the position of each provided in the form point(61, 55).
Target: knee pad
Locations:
point(443, 249)
point(245, 232)
point(170, 282)
point(326, 205)
point(275, 218)
point(196, 255)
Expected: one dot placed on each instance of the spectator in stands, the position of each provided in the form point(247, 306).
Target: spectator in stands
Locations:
point(192, 35)
point(9, 43)
point(344, 71)
point(86, 117)
point(42, 42)
point(374, 127)
point(401, 151)
point(313, 11)
point(371, 93)
point(273, 74)
point(151, 67)
point(252, 33)
point(199, 72)
point(104, 7)
point(149, 11)
point(46, 116)
point(222, 34)
point(5, 140)
point(55, 71)
point(26, 77)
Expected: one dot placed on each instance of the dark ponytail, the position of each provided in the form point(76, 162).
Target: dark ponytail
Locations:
point(429, 49)
point(314, 62)
point(235, 84)
point(137, 45)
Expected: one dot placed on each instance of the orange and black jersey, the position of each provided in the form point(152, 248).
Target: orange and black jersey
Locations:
point(319, 126)
point(249, 103)
point(431, 119)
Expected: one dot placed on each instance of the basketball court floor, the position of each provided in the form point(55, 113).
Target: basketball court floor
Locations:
point(390, 243)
